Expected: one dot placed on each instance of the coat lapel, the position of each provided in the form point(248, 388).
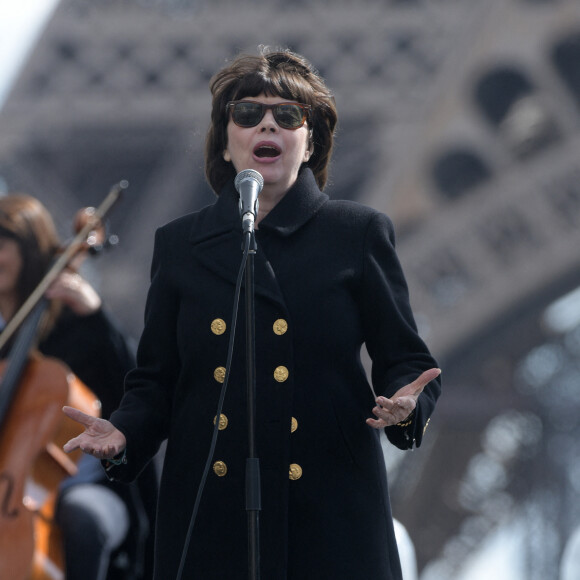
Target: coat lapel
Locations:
point(297, 207)
point(216, 234)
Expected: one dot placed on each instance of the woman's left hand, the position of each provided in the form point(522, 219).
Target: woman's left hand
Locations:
point(74, 291)
point(402, 403)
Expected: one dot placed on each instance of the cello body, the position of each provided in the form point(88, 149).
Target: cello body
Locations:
point(32, 465)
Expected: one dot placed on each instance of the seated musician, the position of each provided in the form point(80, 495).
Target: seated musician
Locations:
point(97, 519)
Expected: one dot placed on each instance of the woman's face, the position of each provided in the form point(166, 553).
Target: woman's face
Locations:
point(10, 266)
point(275, 152)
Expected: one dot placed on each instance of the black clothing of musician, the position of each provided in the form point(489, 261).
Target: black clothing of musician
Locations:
point(107, 527)
point(99, 520)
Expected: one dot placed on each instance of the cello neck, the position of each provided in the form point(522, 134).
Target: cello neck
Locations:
point(19, 357)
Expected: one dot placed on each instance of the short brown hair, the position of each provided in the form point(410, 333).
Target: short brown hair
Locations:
point(280, 73)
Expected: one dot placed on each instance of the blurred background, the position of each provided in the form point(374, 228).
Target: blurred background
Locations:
point(458, 118)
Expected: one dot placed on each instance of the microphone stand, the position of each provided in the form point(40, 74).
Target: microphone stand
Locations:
point(253, 491)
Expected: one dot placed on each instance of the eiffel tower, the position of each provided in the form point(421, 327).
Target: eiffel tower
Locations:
point(460, 119)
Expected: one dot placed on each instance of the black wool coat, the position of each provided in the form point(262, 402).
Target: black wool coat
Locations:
point(327, 280)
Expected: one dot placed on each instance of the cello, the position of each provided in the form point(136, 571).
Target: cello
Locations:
point(33, 390)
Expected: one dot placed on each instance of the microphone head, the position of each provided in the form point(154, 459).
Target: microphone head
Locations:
point(249, 174)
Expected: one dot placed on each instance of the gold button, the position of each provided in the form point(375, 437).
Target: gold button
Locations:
point(220, 468)
point(294, 425)
point(295, 471)
point(220, 374)
point(223, 422)
point(218, 326)
point(281, 374)
point(280, 326)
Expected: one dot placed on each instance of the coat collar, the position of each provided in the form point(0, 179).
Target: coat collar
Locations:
point(297, 207)
point(216, 233)
point(294, 210)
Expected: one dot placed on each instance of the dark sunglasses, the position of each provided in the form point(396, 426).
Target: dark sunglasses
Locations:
point(287, 115)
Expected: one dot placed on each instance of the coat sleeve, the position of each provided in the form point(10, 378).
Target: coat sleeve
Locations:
point(398, 353)
point(145, 410)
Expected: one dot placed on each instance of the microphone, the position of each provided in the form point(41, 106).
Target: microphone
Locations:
point(249, 183)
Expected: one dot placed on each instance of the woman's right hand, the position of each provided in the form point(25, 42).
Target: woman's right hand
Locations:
point(101, 439)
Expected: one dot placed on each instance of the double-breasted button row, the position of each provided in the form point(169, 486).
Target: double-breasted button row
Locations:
point(294, 473)
point(220, 468)
point(281, 372)
point(218, 327)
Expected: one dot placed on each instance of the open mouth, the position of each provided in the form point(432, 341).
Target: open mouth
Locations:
point(266, 151)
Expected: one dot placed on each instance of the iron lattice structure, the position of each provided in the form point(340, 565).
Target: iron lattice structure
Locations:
point(460, 119)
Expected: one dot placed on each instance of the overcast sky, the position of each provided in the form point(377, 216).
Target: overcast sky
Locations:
point(21, 21)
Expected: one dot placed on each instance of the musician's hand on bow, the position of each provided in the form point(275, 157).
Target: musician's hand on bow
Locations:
point(72, 289)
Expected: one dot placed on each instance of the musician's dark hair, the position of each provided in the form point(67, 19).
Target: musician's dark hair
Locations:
point(27, 221)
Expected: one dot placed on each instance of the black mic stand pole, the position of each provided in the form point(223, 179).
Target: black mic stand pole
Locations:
point(253, 492)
